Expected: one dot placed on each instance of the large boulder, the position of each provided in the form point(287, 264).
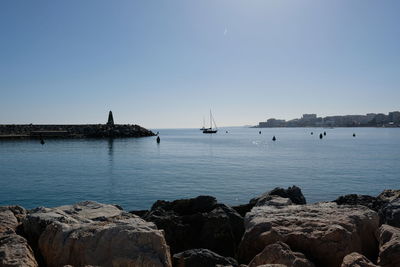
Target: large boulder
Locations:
point(280, 253)
point(90, 233)
point(293, 193)
point(15, 251)
point(323, 232)
point(198, 223)
point(389, 246)
point(123, 242)
point(356, 260)
point(201, 258)
point(38, 219)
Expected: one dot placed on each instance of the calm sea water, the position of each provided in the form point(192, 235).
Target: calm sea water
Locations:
point(233, 166)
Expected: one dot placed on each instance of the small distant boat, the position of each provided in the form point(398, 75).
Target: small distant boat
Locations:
point(204, 127)
point(211, 130)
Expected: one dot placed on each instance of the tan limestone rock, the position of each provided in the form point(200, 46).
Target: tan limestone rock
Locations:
point(323, 232)
point(280, 253)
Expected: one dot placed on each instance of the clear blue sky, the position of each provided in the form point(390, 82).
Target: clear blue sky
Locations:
point(164, 64)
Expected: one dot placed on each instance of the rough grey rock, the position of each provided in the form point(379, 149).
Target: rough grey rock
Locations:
point(374, 203)
point(387, 204)
point(325, 232)
point(356, 260)
point(200, 204)
point(10, 217)
point(389, 246)
point(390, 213)
point(293, 193)
point(389, 195)
point(243, 209)
point(90, 233)
point(198, 223)
point(201, 258)
point(7, 220)
point(15, 251)
point(275, 201)
point(280, 253)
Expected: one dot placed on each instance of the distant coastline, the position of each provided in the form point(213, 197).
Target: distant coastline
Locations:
point(392, 119)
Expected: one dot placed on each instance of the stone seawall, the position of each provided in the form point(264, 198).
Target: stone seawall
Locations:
point(28, 131)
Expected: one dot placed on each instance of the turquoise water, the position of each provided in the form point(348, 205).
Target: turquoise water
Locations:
point(233, 167)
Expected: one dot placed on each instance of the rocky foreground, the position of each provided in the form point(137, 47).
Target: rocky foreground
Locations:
point(275, 229)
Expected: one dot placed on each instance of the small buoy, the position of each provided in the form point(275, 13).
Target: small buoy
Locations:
point(226, 132)
point(274, 138)
point(158, 139)
point(324, 133)
point(354, 135)
point(259, 132)
point(42, 141)
point(312, 133)
point(320, 136)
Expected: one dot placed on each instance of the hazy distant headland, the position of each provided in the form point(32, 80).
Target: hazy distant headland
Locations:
point(311, 120)
point(38, 131)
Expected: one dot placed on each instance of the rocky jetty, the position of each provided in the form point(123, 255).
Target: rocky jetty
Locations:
point(275, 229)
point(72, 131)
point(108, 130)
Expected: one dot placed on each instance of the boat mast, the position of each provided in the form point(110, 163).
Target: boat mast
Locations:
point(210, 120)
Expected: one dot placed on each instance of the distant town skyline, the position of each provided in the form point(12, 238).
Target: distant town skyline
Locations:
point(392, 119)
point(165, 64)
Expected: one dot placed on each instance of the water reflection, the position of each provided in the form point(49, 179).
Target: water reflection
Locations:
point(111, 149)
point(111, 178)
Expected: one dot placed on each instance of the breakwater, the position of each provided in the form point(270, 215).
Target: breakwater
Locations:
point(37, 131)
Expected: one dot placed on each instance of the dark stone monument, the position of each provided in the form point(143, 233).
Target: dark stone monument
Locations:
point(110, 119)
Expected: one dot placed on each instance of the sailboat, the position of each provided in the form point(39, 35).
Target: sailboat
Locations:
point(204, 127)
point(211, 130)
